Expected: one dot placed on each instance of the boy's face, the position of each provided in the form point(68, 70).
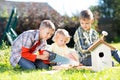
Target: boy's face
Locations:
point(61, 41)
point(86, 24)
point(46, 33)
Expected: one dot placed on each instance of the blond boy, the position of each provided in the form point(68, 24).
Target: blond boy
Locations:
point(30, 42)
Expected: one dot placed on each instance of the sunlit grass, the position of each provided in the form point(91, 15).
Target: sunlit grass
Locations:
point(7, 72)
point(116, 45)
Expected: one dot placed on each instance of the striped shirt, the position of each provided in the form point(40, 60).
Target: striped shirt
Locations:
point(25, 45)
point(83, 40)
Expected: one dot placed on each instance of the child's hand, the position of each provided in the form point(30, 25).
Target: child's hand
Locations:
point(85, 51)
point(44, 56)
point(70, 56)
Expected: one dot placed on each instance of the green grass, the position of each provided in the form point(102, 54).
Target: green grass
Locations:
point(116, 45)
point(7, 72)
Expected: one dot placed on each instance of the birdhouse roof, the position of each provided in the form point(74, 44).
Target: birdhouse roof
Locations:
point(98, 42)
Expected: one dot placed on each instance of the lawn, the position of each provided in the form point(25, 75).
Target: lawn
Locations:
point(9, 73)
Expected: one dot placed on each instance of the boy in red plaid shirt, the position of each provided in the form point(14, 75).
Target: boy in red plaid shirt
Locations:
point(28, 43)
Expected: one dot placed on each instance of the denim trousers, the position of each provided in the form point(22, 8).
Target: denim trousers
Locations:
point(115, 53)
point(87, 61)
point(38, 64)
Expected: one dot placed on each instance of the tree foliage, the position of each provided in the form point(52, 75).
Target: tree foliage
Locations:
point(109, 10)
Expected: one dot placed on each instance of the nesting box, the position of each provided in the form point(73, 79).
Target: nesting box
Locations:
point(101, 55)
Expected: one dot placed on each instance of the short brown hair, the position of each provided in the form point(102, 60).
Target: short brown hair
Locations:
point(47, 24)
point(86, 14)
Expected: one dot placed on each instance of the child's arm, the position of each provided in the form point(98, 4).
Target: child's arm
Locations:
point(78, 41)
point(74, 61)
point(43, 55)
point(73, 55)
point(50, 56)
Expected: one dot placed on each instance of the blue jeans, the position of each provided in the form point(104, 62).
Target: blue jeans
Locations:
point(116, 55)
point(87, 61)
point(38, 64)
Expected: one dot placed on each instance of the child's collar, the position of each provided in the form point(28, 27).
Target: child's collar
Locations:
point(85, 30)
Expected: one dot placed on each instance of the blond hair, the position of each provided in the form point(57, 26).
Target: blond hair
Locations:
point(86, 14)
point(61, 32)
point(47, 24)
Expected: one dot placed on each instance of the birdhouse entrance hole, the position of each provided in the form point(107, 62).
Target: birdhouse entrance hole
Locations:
point(101, 54)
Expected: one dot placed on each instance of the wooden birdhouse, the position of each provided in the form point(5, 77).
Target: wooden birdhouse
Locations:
point(101, 55)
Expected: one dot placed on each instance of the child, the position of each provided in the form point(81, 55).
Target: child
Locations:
point(85, 36)
point(64, 55)
point(30, 42)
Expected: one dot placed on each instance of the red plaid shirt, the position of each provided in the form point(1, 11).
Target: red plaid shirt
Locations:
point(25, 45)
